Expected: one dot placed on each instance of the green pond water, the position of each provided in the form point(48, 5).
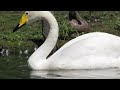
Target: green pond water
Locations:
point(16, 67)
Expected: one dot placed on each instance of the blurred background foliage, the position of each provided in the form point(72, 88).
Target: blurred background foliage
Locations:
point(103, 21)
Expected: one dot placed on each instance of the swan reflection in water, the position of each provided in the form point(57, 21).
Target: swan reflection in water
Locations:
point(110, 73)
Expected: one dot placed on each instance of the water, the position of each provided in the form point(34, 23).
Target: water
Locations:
point(15, 67)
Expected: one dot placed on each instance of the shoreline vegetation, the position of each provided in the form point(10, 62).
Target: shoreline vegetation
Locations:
point(23, 39)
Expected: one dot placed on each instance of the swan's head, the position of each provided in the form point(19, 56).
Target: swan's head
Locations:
point(27, 18)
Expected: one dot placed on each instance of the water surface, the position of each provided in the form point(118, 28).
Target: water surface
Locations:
point(15, 67)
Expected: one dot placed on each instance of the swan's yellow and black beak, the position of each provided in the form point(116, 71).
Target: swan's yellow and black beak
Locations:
point(21, 23)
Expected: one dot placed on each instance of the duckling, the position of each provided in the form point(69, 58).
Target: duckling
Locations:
point(26, 52)
point(2, 50)
point(7, 52)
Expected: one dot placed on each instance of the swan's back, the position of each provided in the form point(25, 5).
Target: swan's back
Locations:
point(96, 48)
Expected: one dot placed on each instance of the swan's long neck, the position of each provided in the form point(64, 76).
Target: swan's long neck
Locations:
point(44, 50)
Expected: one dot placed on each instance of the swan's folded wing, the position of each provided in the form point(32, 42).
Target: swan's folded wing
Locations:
point(96, 44)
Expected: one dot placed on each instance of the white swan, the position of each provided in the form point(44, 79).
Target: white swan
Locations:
point(89, 51)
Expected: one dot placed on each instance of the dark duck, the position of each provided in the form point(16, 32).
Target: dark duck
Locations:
point(77, 23)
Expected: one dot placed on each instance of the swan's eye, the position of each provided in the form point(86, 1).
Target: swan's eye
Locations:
point(26, 13)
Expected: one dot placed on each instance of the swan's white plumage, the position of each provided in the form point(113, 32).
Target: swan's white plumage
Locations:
point(89, 51)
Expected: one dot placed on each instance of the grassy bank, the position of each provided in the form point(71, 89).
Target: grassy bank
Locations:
point(109, 21)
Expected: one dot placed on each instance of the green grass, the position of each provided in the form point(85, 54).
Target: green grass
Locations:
point(109, 22)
